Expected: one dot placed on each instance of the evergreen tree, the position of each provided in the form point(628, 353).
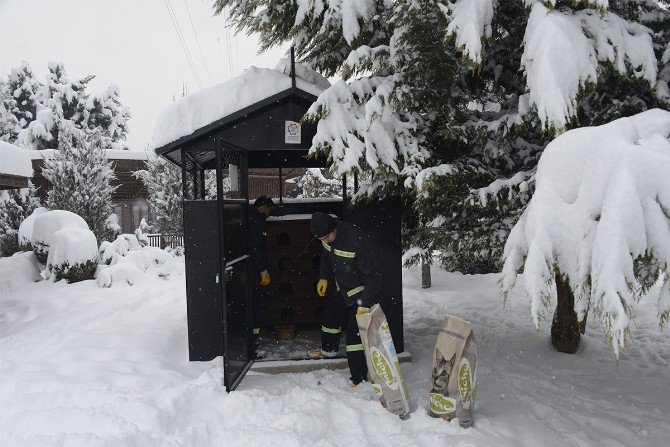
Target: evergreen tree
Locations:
point(455, 101)
point(81, 177)
point(62, 105)
point(24, 93)
point(163, 181)
point(15, 206)
point(315, 184)
point(8, 122)
point(106, 112)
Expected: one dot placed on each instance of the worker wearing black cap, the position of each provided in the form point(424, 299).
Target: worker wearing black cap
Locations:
point(350, 275)
point(261, 210)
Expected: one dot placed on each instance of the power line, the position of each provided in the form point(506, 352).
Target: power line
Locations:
point(228, 47)
point(180, 36)
point(197, 41)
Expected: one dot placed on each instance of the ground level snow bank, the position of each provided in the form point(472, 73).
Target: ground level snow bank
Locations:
point(84, 366)
point(17, 271)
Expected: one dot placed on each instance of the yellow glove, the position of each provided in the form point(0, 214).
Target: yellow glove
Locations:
point(321, 287)
point(362, 310)
point(265, 278)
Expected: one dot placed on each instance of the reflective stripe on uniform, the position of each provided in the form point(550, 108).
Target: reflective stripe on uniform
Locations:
point(352, 348)
point(326, 246)
point(257, 330)
point(345, 254)
point(331, 330)
point(355, 291)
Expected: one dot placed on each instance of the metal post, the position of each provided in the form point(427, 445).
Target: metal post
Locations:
point(195, 181)
point(344, 188)
point(281, 187)
point(184, 180)
point(202, 184)
point(222, 261)
point(292, 67)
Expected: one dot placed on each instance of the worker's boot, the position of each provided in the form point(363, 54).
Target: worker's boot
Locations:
point(317, 353)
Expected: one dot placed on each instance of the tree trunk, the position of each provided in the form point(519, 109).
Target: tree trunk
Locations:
point(565, 329)
point(425, 275)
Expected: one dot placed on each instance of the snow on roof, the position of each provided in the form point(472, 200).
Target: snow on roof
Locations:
point(197, 110)
point(14, 160)
point(112, 154)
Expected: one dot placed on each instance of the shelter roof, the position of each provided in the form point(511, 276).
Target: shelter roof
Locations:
point(211, 106)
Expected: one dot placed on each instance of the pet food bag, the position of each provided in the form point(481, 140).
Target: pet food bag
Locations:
point(454, 378)
point(382, 360)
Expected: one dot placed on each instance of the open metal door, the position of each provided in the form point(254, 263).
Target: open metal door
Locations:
point(381, 220)
point(203, 290)
point(234, 213)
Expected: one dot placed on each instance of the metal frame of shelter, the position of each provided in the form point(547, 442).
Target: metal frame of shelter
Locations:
point(218, 265)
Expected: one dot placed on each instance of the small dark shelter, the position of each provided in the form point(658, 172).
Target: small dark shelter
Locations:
point(264, 134)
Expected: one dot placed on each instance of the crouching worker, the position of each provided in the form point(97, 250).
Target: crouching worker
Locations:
point(262, 209)
point(349, 275)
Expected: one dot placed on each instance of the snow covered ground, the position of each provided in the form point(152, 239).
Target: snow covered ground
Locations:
point(88, 366)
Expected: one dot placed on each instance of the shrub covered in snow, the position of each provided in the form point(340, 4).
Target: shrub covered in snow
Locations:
point(126, 259)
point(46, 224)
point(73, 255)
point(15, 206)
point(26, 229)
point(121, 245)
point(140, 233)
point(599, 221)
point(18, 270)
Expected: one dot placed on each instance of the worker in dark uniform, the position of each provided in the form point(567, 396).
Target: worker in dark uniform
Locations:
point(349, 273)
point(261, 210)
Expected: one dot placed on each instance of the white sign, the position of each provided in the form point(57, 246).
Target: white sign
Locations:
point(291, 132)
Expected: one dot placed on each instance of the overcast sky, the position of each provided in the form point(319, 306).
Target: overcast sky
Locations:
point(132, 43)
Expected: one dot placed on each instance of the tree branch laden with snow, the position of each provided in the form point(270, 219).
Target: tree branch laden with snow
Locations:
point(600, 215)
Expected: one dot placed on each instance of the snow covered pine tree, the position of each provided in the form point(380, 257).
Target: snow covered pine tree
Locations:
point(38, 111)
point(106, 112)
point(457, 100)
point(81, 177)
point(163, 181)
point(598, 227)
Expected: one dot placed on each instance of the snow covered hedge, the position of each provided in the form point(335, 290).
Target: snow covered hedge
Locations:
point(600, 217)
point(73, 255)
point(127, 259)
point(26, 229)
point(46, 224)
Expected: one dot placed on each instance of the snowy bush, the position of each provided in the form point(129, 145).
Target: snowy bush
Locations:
point(599, 221)
point(314, 184)
point(46, 224)
point(15, 206)
point(121, 245)
point(125, 260)
point(140, 233)
point(26, 229)
point(18, 270)
point(73, 255)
